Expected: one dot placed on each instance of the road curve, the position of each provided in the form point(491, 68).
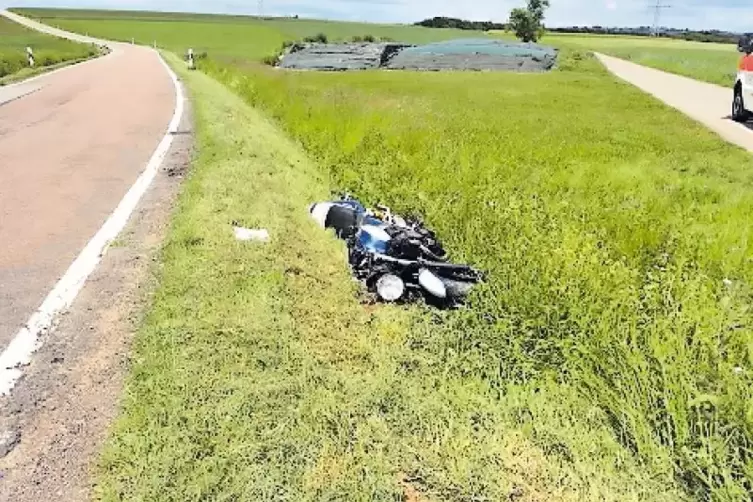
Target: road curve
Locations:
point(72, 143)
point(36, 25)
point(707, 103)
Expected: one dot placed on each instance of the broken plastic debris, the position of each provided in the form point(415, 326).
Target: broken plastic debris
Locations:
point(251, 234)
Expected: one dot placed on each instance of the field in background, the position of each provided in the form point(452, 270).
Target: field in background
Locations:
point(242, 37)
point(609, 357)
point(48, 50)
point(715, 63)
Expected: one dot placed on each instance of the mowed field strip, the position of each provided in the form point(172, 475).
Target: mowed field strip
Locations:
point(608, 357)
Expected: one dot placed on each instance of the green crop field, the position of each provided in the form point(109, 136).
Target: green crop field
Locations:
point(48, 50)
point(243, 37)
point(609, 357)
point(237, 37)
point(715, 63)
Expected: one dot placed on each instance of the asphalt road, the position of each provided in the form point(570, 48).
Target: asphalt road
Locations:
point(71, 145)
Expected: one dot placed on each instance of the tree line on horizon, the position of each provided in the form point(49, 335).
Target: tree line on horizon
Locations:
point(710, 36)
point(461, 24)
point(527, 22)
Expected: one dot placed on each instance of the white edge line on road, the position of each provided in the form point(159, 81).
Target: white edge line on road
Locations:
point(28, 340)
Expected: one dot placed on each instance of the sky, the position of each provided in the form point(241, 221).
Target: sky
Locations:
point(732, 15)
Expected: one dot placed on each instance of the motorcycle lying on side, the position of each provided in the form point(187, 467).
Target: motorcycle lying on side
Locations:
point(398, 259)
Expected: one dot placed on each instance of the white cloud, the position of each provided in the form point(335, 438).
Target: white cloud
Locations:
point(697, 14)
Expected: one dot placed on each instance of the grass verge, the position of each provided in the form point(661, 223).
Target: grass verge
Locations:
point(259, 375)
point(49, 51)
point(237, 38)
point(27, 73)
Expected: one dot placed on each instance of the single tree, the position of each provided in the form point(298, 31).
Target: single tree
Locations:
point(527, 22)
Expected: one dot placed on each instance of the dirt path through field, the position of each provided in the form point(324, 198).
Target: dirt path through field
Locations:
point(73, 143)
point(707, 103)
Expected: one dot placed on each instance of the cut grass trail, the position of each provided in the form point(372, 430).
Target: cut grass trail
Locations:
point(48, 51)
point(259, 376)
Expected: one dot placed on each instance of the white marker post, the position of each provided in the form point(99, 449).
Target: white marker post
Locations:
point(30, 55)
point(191, 63)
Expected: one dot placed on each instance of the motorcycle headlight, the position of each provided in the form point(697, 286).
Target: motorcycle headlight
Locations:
point(390, 287)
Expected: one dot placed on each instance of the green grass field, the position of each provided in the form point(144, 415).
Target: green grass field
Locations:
point(259, 375)
point(228, 37)
point(609, 356)
point(48, 50)
point(710, 62)
point(715, 63)
point(242, 38)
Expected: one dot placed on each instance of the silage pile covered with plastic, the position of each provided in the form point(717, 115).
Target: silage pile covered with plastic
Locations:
point(462, 54)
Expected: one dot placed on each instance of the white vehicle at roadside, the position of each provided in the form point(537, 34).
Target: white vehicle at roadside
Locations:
point(742, 102)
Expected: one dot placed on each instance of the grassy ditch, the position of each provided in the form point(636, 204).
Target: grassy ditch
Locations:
point(614, 230)
point(259, 375)
point(608, 358)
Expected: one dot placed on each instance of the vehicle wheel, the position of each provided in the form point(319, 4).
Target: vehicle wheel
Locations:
point(739, 113)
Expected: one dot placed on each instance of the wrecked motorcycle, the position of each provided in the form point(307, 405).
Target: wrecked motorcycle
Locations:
point(397, 258)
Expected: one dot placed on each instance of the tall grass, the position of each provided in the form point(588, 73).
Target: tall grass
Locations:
point(258, 374)
point(615, 233)
point(617, 239)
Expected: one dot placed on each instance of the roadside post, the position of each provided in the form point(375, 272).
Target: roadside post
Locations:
point(30, 56)
point(191, 63)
